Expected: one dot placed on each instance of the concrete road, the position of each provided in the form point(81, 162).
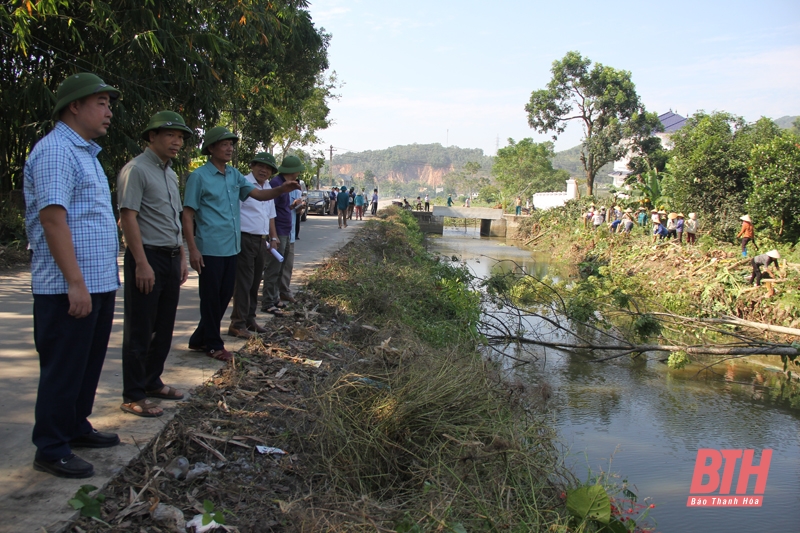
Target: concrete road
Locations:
point(34, 501)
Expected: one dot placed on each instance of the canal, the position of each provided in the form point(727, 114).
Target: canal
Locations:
point(646, 422)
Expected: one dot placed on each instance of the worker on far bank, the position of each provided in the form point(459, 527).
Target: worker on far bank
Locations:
point(747, 233)
point(764, 260)
point(449, 200)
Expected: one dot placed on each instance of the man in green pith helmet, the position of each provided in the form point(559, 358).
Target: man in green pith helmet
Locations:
point(211, 203)
point(258, 236)
point(154, 265)
point(74, 275)
point(289, 171)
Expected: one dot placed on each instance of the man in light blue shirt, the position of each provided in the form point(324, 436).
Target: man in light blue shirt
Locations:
point(74, 275)
point(211, 209)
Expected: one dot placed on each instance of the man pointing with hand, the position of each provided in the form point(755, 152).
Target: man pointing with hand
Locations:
point(211, 203)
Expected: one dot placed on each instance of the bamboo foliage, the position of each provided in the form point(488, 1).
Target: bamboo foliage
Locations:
point(214, 61)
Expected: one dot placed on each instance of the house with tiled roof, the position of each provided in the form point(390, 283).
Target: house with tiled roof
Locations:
point(671, 123)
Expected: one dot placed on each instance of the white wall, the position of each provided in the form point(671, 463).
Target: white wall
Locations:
point(548, 200)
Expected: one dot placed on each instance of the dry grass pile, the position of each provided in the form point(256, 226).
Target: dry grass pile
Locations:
point(435, 440)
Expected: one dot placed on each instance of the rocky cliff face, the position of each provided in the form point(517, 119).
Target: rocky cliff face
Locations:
point(425, 174)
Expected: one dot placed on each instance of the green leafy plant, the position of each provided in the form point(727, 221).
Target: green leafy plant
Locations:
point(87, 504)
point(678, 360)
point(210, 513)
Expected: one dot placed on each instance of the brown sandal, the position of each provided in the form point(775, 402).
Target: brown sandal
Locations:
point(145, 408)
point(171, 394)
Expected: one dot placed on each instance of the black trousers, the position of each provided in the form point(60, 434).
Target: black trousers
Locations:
point(756, 273)
point(216, 289)
point(71, 354)
point(149, 321)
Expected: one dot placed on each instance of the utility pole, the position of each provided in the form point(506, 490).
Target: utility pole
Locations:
point(331, 165)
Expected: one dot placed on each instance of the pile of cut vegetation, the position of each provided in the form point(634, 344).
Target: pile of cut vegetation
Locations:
point(389, 418)
point(706, 280)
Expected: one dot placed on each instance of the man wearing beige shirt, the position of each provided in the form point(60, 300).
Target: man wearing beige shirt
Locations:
point(154, 264)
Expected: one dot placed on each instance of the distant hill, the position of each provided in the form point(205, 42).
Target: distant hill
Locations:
point(426, 163)
point(786, 122)
point(429, 163)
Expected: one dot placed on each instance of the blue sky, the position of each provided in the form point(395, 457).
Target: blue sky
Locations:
point(413, 70)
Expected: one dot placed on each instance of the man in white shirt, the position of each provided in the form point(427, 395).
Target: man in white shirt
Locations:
point(258, 234)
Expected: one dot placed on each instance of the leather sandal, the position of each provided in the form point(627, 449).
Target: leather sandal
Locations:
point(145, 408)
point(274, 310)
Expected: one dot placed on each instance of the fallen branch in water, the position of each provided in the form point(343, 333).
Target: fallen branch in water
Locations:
point(733, 321)
point(718, 349)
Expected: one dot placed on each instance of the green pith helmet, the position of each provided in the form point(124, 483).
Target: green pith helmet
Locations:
point(291, 164)
point(216, 134)
point(169, 120)
point(80, 86)
point(265, 158)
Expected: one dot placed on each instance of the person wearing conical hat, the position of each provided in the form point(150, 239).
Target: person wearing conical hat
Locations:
point(154, 265)
point(212, 229)
point(763, 260)
point(747, 233)
point(679, 225)
point(641, 216)
point(672, 225)
point(73, 237)
point(691, 229)
point(627, 221)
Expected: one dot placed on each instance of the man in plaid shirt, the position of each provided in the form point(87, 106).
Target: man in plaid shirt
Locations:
point(74, 275)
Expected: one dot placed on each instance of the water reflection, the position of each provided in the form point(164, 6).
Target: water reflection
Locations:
point(657, 417)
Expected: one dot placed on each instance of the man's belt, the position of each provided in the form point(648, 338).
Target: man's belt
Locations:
point(255, 235)
point(168, 250)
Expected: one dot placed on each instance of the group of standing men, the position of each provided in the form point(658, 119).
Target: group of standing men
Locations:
point(74, 275)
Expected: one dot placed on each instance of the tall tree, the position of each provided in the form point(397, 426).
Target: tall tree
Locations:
point(601, 98)
point(526, 167)
point(708, 172)
point(775, 173)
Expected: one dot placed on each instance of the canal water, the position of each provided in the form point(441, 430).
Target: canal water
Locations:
point(645, 422)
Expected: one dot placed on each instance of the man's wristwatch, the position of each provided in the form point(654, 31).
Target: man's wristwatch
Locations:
point(274, 239)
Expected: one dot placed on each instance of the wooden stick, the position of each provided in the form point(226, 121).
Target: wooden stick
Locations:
point(209, 448)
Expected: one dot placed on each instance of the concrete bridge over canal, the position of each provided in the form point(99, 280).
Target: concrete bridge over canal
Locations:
point(494, 222)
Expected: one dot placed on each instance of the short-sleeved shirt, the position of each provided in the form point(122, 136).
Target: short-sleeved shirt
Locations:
point(283, 218)
point(764, 260)
point(256, 214)
point(215, 198)
point(342, 200)
point(62, 169)
point(149, 186)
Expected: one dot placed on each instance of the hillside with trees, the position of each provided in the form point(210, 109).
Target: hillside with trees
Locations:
point(427, 163)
